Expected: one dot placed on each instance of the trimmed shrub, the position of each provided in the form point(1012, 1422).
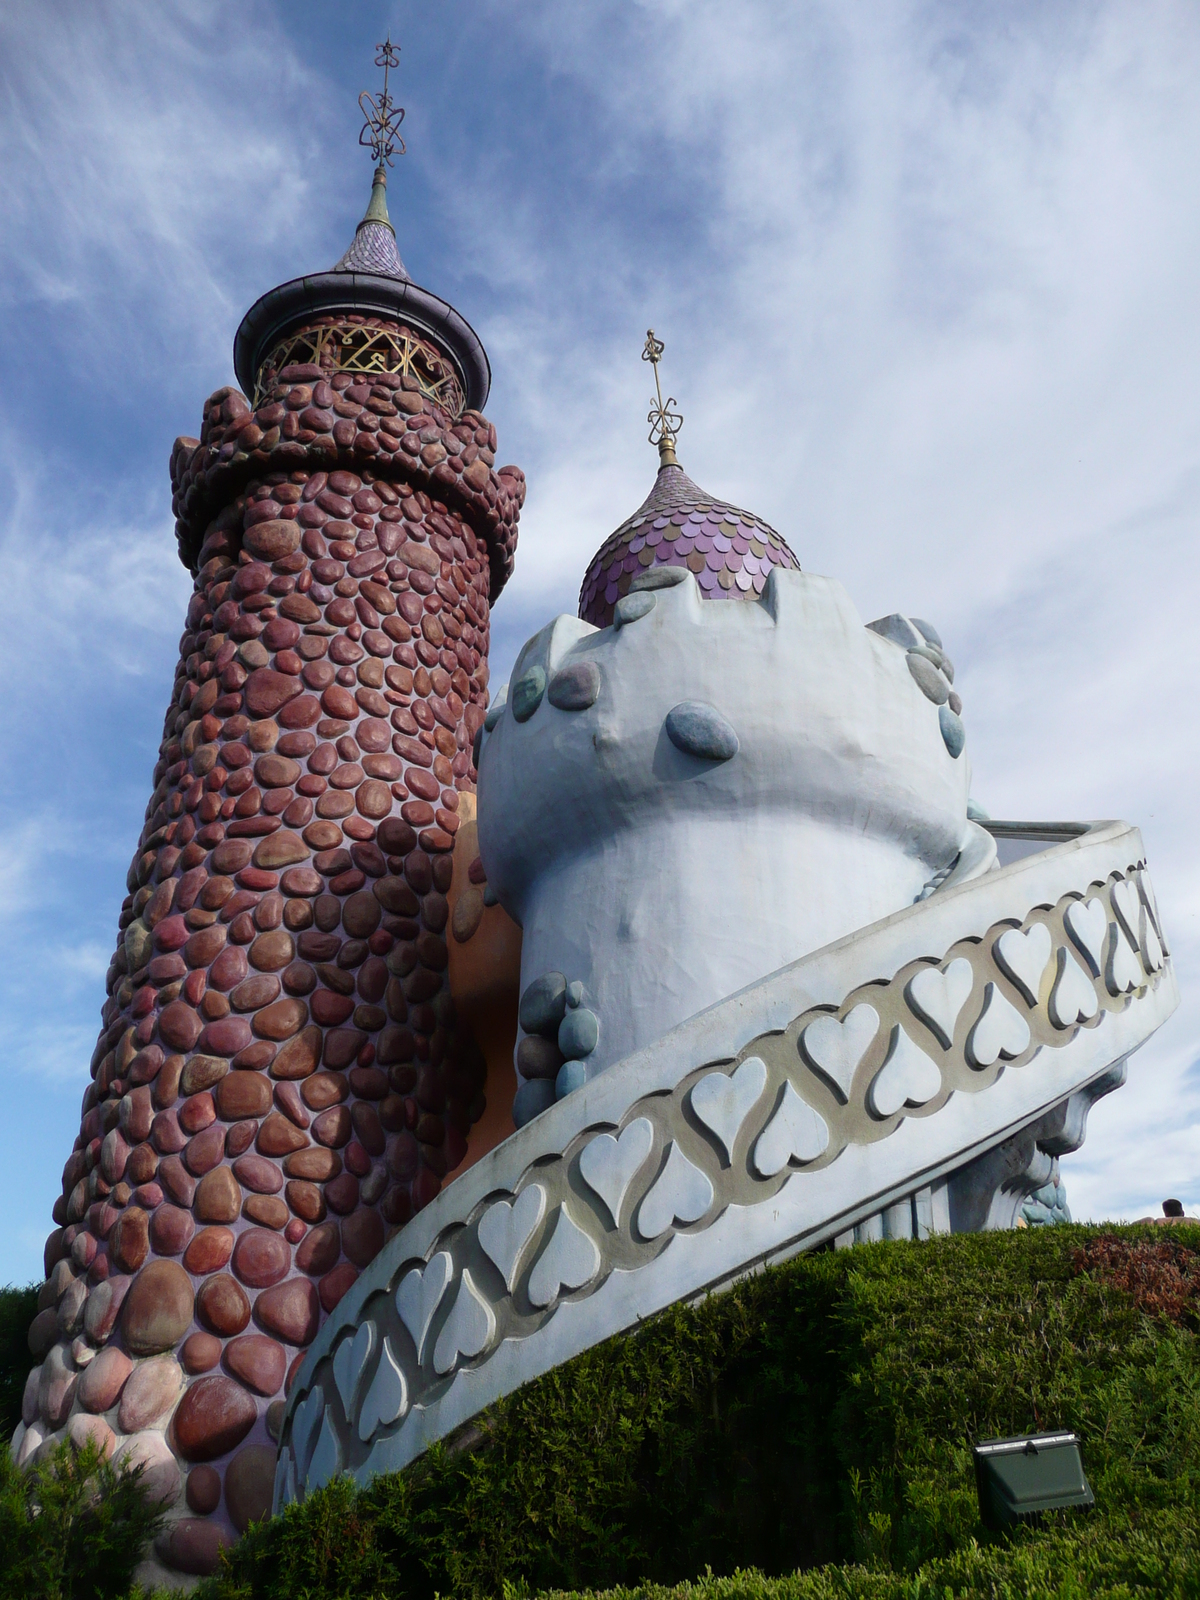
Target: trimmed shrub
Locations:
point(72, 1528)
point(816, 1413)
point(1154, 1556)
point(18, 1307)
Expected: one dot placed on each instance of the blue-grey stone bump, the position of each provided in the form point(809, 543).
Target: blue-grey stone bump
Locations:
point(953, 731)
point(632, 606)
point(578, 1033)
point(699, 729)
point(544, 1004)
point(575, 687)
point(658, 578)
point(527, 692)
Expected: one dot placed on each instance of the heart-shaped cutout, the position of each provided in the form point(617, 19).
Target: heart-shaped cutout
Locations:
point(723, 1103)
point(682, 1193)
point(1087, 923)
point(795, 1133)
point(938, 997)
point(1073, 998)
point(468, 1329)
point(387, 1397)
point(569, 1260)
point(350, 1362)
point(1152, 952)
point(419, 1294)
point(1023, 957)
point(834, 1048)
point(326, 1458)
point(609, 1165)
point(1000, 1031)
point(1149, 900)
point(507, 1227)
point(1127, 905)
point(305, 1419)
point(285, 1482)
point(1122, 971)
point(907, 1078)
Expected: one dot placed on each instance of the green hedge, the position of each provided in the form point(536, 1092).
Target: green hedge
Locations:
point(1117, 1559)
point(73, 1528)
point(18, 1307)
point(818, 1415)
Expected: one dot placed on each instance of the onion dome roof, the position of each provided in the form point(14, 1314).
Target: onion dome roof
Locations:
point(730, 551)
point(370, 280)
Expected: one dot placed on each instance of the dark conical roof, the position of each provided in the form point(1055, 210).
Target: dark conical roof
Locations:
point(372, 281)
point(730, 551)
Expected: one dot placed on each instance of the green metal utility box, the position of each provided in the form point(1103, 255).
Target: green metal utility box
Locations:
point(1017, 1478)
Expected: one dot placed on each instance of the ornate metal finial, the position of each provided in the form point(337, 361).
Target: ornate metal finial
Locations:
point(664, 422)
point(381, 130)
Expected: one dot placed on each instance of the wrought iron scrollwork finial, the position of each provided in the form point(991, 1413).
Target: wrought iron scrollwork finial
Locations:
point(665, 422)
point(381, 129)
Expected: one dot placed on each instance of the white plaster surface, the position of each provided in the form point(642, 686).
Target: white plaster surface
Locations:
point(419, 1294)
point(596, 1278)
point(723, 1102)
point(467, 1330)
point(1023, 958)
point(507, 1227)
point(1072, 999)
point(908, 1077)
point(386, 1398)
point(835, 1046)
point(795, 1133)
point(609, 1163)
point(1087, 923)
point(1001, 1034)
point(742, 1234)
point(569, 1260)
point(664, 882)
point(682, 1193)
point(938, 997)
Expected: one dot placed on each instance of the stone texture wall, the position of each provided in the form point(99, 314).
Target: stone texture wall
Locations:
point(279, 1079)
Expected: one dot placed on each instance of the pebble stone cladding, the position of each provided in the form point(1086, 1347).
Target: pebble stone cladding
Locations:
point(678, 525)
point(279, 1079)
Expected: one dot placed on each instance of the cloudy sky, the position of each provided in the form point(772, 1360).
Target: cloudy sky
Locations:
point(927, 280)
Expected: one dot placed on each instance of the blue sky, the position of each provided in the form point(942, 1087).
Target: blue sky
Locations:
point(927, 279)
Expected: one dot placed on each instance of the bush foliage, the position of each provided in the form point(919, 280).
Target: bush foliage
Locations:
point(816, 1416)
point(72, 1528)
point(18, 1307)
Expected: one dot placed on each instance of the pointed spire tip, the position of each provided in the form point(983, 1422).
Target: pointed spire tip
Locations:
point(377, 210)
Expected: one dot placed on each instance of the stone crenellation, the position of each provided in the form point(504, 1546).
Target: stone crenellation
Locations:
point(363, 423)
point(279, 1079)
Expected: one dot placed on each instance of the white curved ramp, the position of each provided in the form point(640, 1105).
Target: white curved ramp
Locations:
point(945, 1046)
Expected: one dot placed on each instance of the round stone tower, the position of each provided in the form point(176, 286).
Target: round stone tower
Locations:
point(279, 1079)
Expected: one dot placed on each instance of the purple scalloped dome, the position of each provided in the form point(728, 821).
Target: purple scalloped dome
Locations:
point(730, 551)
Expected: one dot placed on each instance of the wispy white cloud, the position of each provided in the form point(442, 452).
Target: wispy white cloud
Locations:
point(21, 855)
point(927, 279)
point(127, 130)
point(939, 322)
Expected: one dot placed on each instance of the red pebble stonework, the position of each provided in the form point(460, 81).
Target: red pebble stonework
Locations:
point(279, 1081)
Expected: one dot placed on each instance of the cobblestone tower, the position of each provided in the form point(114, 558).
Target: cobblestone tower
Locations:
point(279, 1078)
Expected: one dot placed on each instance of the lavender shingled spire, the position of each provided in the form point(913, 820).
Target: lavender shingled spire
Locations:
point(373, 248)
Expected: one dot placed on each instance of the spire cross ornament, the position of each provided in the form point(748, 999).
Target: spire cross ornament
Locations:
point(664, 422)
point(381, 130)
